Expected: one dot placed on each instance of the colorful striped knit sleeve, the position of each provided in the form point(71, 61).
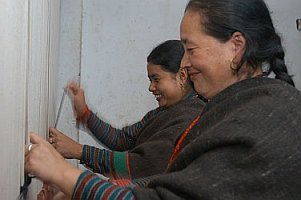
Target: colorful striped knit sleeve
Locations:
point(118, 139)
point(131, 183)
point(112, 164)
point(91, 186)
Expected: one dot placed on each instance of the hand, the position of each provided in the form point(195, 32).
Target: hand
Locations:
point(44, 162)
point(50, 192)
point(76, 95)
point(67, 147)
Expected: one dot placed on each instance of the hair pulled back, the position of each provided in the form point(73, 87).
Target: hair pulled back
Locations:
point(221, 18)
point(167, 54)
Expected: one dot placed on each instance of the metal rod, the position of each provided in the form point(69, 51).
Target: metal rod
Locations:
point(60, 109)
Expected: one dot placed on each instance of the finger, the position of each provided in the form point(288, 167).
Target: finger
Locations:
point(52, 131)
point(72, 83)
point(28, 149)
point(27, 168)
point(35, 139)
point(73, 87)
point(54, 145)
point(50, 140)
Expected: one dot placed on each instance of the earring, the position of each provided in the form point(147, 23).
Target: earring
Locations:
point(182, 86)
point(233, 67)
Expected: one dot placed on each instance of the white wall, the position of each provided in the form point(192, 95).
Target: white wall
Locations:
point(117, 37)
point(69, 62)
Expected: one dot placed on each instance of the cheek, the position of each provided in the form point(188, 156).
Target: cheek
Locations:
point(196, 62)
point(170, 90)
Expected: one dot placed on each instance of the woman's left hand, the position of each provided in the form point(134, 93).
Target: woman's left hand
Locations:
point(67, 147)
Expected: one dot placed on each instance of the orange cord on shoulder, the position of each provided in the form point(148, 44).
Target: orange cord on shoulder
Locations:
point(180, 141)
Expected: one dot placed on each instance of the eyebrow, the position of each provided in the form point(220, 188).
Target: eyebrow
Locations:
point(153, 76)
point(187, 42)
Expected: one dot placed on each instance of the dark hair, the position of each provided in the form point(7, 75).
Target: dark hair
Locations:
point(167, 54)
point(221, 18)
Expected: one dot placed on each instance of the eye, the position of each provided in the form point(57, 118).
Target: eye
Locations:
point(156, 80)
point(190, 49)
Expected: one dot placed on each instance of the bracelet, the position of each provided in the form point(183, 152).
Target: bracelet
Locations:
point(85, 115)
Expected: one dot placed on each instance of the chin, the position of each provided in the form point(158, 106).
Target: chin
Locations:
point(161, 104)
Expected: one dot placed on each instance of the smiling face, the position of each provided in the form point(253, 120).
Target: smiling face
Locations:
point(206, 58)
point(166, 86)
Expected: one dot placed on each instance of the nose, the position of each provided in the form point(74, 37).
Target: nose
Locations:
point(185, 62)
point(151, 87)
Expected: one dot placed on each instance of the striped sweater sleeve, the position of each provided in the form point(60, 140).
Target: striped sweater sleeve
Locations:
point(117, 139)
point(91, 186)
point(131, 183)
point(112, 164)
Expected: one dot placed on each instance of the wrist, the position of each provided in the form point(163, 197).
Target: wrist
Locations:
point(84, 115)
point(79, 151)
point(67, 178)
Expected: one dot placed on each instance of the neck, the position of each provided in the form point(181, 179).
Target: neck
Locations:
point(246, 72)
point(189, 92)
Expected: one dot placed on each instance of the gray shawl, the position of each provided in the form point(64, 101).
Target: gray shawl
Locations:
point(247, 145)
point(158, 138)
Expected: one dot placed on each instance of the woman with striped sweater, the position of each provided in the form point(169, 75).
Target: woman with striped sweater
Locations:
point(141, 149)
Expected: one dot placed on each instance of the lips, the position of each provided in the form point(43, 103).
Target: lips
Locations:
point(192, 74)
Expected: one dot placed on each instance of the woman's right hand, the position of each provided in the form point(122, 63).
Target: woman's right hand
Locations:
point(77, 96)
point(44, 162)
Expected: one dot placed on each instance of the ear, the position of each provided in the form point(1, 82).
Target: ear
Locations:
point(183, 75)
point(239, 44)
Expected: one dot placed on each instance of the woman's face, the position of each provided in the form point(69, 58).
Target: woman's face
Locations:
point(166, 86)
point(206, 58)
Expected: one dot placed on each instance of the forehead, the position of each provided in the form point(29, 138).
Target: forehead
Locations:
point(156, 70)
point(190, 27)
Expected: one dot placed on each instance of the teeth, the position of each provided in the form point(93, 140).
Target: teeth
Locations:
point(158, 96)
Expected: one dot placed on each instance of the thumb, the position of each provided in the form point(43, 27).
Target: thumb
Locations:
point(35, 139)
point(54, 131)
